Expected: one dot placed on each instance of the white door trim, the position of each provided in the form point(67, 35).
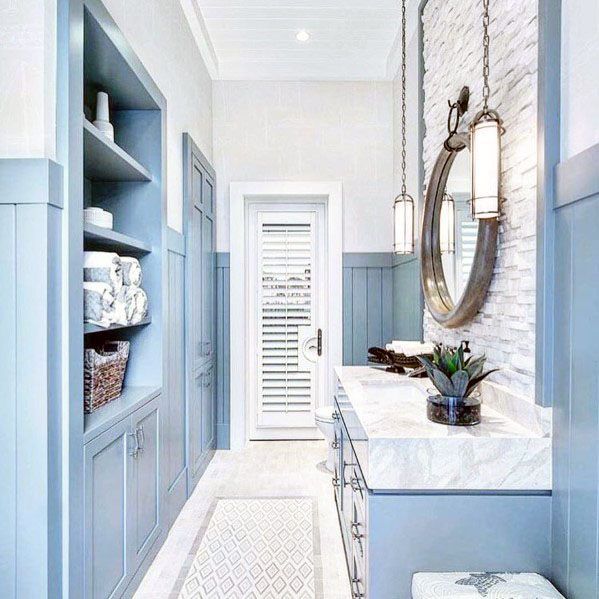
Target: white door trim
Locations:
point(240, 195)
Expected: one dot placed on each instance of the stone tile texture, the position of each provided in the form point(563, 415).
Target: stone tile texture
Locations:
point(504, 329)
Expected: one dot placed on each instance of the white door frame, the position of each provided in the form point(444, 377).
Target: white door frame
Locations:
point(240, 194)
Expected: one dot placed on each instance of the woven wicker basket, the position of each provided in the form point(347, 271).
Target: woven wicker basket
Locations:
point(104, 371)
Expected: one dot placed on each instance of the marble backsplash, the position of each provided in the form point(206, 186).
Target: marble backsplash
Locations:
point(517, 407)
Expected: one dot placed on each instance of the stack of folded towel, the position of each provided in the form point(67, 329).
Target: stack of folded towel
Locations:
point(112, 290)
point(410, 348)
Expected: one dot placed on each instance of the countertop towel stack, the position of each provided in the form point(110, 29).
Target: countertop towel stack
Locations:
point(120, 300)
point(410, 348)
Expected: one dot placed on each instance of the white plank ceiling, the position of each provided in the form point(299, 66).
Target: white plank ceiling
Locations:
point(256, 39)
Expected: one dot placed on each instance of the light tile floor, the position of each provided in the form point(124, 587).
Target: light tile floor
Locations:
point(262, 469)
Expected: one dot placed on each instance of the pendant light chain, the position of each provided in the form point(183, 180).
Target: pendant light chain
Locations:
point(486, 88)
point(403, 97)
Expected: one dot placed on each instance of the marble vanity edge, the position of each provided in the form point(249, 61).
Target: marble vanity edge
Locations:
point(466, 464)
point(502, 464)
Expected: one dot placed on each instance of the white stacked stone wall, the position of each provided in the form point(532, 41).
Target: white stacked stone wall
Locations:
point(504, 329)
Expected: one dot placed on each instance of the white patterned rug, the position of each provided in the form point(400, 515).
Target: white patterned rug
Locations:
point(256, 548)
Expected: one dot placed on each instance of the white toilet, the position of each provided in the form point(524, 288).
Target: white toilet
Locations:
point(325, 422)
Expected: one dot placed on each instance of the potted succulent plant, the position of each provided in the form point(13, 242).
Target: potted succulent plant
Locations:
point(455, 378)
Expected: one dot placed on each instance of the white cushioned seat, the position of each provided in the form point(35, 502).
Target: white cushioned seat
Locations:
point(479, 585)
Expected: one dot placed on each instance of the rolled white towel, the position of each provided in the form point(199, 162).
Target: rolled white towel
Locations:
point(103, 267)
point(141, 305)
point(131, 271)
point(98, 304)
point(131, 305)
point(124, 305)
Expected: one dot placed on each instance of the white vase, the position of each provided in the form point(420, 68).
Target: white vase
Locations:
point(102, 121)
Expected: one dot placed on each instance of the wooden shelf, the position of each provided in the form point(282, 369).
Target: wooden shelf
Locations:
point(99, 238)
point(131, 398)
point(103, 160)
point(90, 329)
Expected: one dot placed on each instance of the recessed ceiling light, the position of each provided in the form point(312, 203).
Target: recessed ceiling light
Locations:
point(302, 35)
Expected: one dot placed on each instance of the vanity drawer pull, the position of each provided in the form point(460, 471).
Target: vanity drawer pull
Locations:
point(355, 530)
point(356, 593)
point(355, 484)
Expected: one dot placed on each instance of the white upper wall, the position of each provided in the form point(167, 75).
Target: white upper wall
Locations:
point(580, 76)
point(161, 37)
point(326, 131)
point(27, 78)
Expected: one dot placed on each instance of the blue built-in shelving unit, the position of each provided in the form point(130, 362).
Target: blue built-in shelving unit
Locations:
point(119, 510)
point(125, 177)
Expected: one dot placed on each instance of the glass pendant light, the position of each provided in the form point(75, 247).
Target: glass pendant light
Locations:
point(403, 207)
point(447, 228)
point(485, 144)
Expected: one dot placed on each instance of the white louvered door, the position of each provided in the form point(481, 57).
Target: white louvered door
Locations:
point(287, 310)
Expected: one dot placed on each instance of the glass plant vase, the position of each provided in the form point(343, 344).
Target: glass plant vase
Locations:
point(454, 411)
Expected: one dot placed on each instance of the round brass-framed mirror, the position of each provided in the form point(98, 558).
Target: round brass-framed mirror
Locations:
point(453, 302)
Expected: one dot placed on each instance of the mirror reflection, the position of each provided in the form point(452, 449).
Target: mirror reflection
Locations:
point(458, 229)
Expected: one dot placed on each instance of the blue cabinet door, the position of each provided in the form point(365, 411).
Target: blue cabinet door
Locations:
point(208, 410)
point(208, 286)
point(195, 425)
point(200, 326)
point(108, 490)
point(146, 525)
point(197, 346)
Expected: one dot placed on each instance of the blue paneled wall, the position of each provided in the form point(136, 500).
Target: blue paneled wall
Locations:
point(367, 304)
point(31, 205)
point(407, 298)
point(370, 284)
point(576, 378)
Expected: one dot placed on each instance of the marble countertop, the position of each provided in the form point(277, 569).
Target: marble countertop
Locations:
point(398, 448)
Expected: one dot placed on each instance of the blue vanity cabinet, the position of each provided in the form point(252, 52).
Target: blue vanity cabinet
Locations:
point(389, 534)
point(122, 501)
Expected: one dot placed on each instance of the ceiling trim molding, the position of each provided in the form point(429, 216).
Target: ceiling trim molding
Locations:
point(201, 36)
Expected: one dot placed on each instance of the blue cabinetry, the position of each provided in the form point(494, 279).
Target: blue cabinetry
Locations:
point(200, 277)
point(122, 500)
point(390, 534)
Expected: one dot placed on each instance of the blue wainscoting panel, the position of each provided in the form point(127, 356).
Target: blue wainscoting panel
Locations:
point(30, 371)
point(367, 304)
point(222, 352)
point(407, 298)
point(370, 311)
point(8, 405)
point(174, 409)
point(576, 378)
